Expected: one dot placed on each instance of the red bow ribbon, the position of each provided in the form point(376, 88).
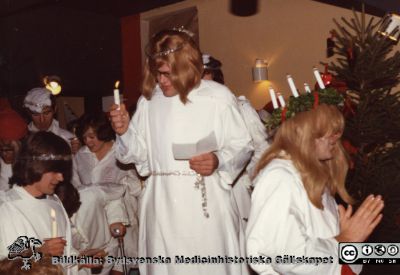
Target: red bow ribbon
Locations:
point(316, 100)
point(283, 114)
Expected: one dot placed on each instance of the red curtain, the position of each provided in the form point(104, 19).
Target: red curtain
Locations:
point(131, 59)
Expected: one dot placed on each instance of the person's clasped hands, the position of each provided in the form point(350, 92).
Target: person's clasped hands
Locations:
point(358, 226)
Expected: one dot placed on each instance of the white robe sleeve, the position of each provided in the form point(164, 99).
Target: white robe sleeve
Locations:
point(236, 146)
point(5, 175)
point(131, 146)
point(115, 207)
point(133, 184)
point(76, 181)
point(257, 131)
point(276, 227)
point(79, 240)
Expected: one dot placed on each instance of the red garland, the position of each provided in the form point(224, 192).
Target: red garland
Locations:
point(316, 100)
point(283, 114)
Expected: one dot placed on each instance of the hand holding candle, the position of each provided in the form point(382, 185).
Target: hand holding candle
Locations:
point(292, 86)
point(319, 79)
point(273, 98)
point(53, 223)
point(117, 100)
point(74, 141)
point(53, 246)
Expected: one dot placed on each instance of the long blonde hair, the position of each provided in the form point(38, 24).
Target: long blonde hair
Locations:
point(296, 137)
point(179, 51)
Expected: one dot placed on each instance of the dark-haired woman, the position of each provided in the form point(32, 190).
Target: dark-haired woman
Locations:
point(30, 207)
point(96, 170)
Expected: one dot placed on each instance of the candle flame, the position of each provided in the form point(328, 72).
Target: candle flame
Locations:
point(116, 84)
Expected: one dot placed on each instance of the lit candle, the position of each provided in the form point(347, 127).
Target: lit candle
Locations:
point(116, 94)
point(292, 86)
point(273, 98)
point(53, 223)
point(319, 79)
point(281, 100)
point(307, 88)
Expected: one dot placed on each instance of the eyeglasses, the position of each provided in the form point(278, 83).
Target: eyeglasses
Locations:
point(165, 74)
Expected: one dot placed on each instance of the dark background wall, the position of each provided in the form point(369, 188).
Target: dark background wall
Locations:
point(78, 40)
point(81, 41)
point(83, 48)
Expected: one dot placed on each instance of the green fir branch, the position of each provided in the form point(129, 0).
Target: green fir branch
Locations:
point(302, 103)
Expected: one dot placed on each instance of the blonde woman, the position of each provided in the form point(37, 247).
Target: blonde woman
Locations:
point(186, 208)
point(293, 208)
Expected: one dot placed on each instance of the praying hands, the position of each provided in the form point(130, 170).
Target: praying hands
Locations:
point(357, 227)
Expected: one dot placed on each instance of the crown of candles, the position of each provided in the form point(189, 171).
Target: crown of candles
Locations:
point(301, 102)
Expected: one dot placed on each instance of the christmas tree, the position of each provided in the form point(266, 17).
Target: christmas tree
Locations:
point(367, 64)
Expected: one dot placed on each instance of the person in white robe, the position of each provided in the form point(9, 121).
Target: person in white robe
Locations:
point(185, 210)
point(243, 185)
point(96, 173)
point(30, 208)
point(89, 226)
point(257, 132)
point(12, 129)
point(293, 211)
point(5, 174)
point(41, 107)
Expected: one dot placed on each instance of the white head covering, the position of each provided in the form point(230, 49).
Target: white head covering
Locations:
point(206, 59)
point(210, 63)
point(36, 99)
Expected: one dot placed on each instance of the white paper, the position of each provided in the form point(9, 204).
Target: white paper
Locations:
point(187, 151)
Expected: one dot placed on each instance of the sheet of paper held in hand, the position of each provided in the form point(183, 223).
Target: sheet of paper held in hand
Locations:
point(187, 151)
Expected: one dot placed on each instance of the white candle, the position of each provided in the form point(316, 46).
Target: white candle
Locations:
point(117, 100)
point(307, 88)
point(281, 100)
point(273, 98)
point(319, 79)
point(292, 86)
point(53, 223)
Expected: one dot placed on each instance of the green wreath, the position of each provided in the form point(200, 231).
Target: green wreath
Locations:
point(304, 102)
